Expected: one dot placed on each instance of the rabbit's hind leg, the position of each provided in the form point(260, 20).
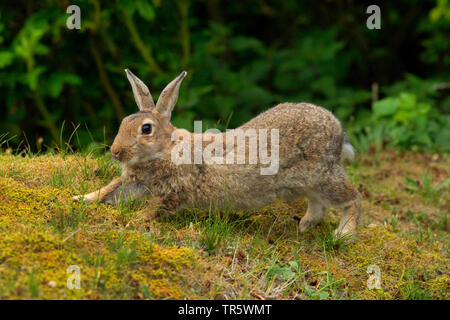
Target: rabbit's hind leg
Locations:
point(348, 226)
point(314, 215)
point(337, 190)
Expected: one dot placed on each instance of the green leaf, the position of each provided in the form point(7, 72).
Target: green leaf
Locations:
point(55, 83)
point(423, 108)
point(407, 101)
point(27, 43)
point(32, 78)
point(385, 107)
point(443, 139)
point(145, 291)
point(423, 138)
point(323, 295)
point(184, 120)
point(41, 49)
point(412, 185)
point(443, 184)
point(6, 58)
point(194, 95)
point(293, 264)
point(246, 43)
point(403, 116)
point(145, 10)
point(296, 256)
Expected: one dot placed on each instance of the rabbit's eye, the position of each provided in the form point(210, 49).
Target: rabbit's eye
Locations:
point(147, 129)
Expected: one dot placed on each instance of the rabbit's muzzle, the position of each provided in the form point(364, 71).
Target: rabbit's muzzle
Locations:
point(117, 153)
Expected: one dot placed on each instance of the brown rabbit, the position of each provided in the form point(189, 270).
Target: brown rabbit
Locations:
point(311, 146)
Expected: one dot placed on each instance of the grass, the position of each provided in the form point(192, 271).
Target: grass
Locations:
point(328, 239)
point(207, 254)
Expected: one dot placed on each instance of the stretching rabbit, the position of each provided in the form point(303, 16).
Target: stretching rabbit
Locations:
point(311, 145)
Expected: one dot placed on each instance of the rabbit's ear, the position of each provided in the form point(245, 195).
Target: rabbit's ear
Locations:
point(169, 96)
point(141, 93)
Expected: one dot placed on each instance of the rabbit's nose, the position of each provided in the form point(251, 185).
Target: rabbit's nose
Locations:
point(115, 152)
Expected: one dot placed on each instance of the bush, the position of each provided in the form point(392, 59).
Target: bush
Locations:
point(406, 119)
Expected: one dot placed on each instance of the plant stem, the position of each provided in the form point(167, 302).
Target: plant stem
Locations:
point(145, 51)
point(100, 29)
point(40, 104)
point(104, 79)
point(49, 123)
point(183, 7)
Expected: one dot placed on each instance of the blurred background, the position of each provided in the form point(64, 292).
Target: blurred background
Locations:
point(390, 87)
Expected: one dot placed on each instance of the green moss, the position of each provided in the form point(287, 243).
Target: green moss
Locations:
point(39, 240)
point(43, 232)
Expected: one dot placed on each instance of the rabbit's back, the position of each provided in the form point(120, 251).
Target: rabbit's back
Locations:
point(307, 133)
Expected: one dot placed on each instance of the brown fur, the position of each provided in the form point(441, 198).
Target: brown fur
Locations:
point(310, 147)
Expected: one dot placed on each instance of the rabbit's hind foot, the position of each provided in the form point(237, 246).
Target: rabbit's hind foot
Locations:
point(314, 215)
point(348, 226)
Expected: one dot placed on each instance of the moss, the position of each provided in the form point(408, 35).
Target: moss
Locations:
point(39, 240)
point(42, 233)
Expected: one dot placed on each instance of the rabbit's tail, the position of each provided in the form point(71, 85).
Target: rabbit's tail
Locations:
point(348, 152)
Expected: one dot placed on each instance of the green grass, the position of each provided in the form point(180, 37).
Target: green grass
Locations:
point(425, 187)
point(412, 288)
point(329, 240)
point(332, 284)
point(34, 283)
point(213, 254)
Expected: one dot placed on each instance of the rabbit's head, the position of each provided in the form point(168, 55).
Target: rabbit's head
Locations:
point(146, 135)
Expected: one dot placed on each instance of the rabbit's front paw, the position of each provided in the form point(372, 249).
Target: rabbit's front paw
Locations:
point(307, 223)
point(86, 198)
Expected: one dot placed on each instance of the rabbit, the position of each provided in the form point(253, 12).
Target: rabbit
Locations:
point(312, 145)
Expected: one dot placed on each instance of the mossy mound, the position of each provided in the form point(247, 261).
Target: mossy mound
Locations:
point(43, 233)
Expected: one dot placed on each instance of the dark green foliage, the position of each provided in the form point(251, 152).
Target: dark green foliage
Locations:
point(242, 57)
point(405, 121)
